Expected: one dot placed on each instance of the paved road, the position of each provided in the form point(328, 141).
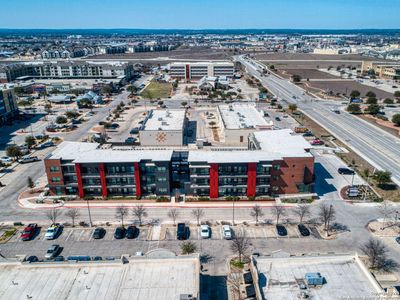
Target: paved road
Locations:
point(378, 147)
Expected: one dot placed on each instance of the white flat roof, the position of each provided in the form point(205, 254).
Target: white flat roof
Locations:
point(203, 63)
point(165, 119)
point(345, 277)
point(241, 116)
point(282, 141)
point(141, 278)
point(121, 156)
point(231, 156)
point(71, 150)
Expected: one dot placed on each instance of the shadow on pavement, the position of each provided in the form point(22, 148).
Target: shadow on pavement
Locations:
point(322, 187)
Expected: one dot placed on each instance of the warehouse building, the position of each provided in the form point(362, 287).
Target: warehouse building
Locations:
point(237, 121)
point(163, 128)
point(197, 70)
point(266, 168)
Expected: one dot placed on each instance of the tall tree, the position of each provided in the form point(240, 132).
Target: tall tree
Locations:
point(240, 244)
point(53, 215)
point(327, 215)
point(302, 211)
point(140, 212)
point(198, 213)
point(256, 212)
point(72, 213)
point(173, 213)
point(278, 211)
point(120, 213)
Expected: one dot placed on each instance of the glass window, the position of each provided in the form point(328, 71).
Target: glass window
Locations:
point(54, 169)
point(55, 179)
point(277, 167)
point(161, 179)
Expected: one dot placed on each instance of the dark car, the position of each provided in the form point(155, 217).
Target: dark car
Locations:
point(346, 171)
point(277, 118)
point(130, 140)
point(308, 133)
point(134, 130)
point(32, 259)
point(131, 232)
point(59, 258)
point(281, 230)
point(114, 125)
point(181, 231)
point(97, 258)
point(119, 233)
point(303, 230)
point(29, 232)
point(99, 233)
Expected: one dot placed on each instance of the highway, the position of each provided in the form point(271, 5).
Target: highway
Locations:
point(379, 148)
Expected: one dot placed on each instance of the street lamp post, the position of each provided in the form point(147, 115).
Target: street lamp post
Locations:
point(233, 212)
point(90, 216)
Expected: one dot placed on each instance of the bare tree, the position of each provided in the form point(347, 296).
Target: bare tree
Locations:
point(240, 244)
point(173, 213)
point(377, 255)
point(302, 211)
point(278, 211)
point(120, 213)
point(327, 215)
point(53, 215)
point(386, 210)
point(72, 213)
point(256, 212)
point(139, 212)
point(198, 213)
point(233, 282)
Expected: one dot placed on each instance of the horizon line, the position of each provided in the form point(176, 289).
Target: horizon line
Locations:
point(193, 29)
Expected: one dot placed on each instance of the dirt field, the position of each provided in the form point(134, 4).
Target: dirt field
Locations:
point(309, 56)
point(306, 73)
point(190, 53)
point(345, 87)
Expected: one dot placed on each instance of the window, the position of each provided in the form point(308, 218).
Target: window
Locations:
point(58, 190)
point(54, 169)
point(161, 169)
point(241, 138)
point(163, 190)
point(161, 179)
point(55, 179)
point(277, 167)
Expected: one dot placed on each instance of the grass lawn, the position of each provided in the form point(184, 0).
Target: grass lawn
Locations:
point(157, 90)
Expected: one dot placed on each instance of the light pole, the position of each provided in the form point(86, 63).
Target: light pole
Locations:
point(233, 212)
point(90, 216)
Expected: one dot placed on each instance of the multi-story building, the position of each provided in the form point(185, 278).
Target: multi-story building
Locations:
point(8, 105)
point(275, 162)
point(197, 70)
point(163, 128)
point(66, 69)
point(382, 70)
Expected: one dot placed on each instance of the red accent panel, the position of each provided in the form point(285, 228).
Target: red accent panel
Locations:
point(103, 181)
point(251, 179)
point(137, 180)
point(79, 180)
point(187, 72)
point(213, 181)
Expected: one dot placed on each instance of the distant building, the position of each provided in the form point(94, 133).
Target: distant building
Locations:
point(114, 49)
point(382, 70)
point(150, 48)
point(163, 128)
point(197, 70)
point(237, 121)
point(8, 106)
point(92, 97)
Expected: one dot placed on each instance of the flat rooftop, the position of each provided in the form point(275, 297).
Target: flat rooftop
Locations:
point(165, 119)
point(346, 277)
point(203, 63)
point(141, 278)
point(242, 116)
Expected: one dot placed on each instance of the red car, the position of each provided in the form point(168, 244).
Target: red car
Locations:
point(317, 142)
point(29, 232)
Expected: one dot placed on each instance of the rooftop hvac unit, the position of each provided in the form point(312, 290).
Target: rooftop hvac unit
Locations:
point(187, 297)
point(160, 119)
point(164, 123)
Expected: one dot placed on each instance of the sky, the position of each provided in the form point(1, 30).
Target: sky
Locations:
point(201, 14)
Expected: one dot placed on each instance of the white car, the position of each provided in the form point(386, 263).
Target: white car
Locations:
point(205, 231)
point(226, 232)
point(52, 232)
point(28, 159)
point(6, 160)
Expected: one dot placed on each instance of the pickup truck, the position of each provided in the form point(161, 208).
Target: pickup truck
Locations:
point(29, 232)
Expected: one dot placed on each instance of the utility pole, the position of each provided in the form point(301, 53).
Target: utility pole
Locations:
point(233, 213)
point(90, 216)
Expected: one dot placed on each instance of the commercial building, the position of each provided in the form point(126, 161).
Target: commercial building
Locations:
point(158, 275)
point(197, 70)
point(8, 106)
point(237, 121)
point(66, 69)
point(276, 162)
point(382, 70)
point(282, 276)
point(163, 128)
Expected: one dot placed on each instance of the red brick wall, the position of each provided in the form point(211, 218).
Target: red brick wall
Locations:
point(293, 171)
point(53, 163)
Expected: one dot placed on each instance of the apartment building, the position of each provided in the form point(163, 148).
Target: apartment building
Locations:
point(197, 70)
point(382, 70)
point(8, 106)
point(66, 69)
point(275, 162)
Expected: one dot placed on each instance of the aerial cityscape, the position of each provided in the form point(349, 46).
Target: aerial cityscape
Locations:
point(200, 151)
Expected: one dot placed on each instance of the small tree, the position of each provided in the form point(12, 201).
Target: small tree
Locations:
point(278, 211)
point(302, 211)
point(292, 107)
point(296, 78)
point(184, 103)
point(13, 151)
point(120, 213)
point(327, 215)
point(71, 114)
point(354, 108)
point(240, 244)
point(31, 184)
point(355, 94)
point(61, 120)
point(377, 255)
point(373, 109)
point(173, 213)
point(396, 119)
point(139, 212)
point(256, 212)
point(53, 215)
point(370, 94)
point(372, 100)
point(188, 247)
point(30, 141)
point(388, 101)
point(397, 94)
point(106, 89)
point(198, 213)
point(72, 213)
point(382, 177)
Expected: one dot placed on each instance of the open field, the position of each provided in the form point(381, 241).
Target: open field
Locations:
point(195, 53)
point(306, 73)
point(157, 90)
point(310, 56)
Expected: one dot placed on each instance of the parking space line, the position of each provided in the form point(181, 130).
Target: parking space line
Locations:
point(70, 232)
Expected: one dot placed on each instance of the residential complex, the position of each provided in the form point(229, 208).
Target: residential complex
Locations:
point(66, 69)
point(197, 70)
point(276, 162)
point(8, 105)
point(382, 70)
